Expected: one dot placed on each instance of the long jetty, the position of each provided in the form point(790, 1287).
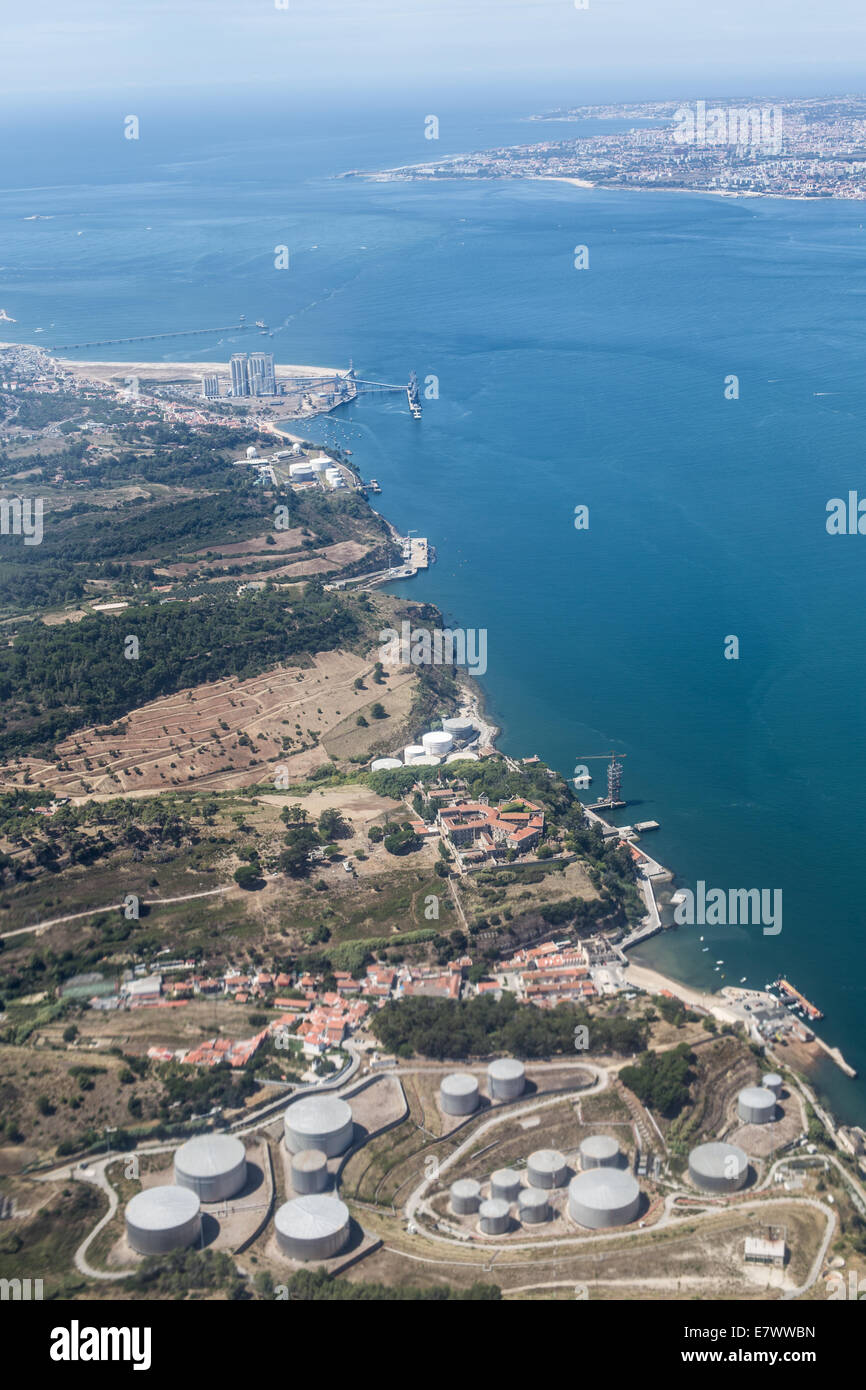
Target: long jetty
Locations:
point(155, 337)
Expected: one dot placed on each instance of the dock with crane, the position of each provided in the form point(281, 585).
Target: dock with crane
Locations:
point(613, 801)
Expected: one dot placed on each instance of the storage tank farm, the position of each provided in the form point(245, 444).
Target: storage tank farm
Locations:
point(534, 1205)
point(310, 1172)
point(161, 1219)
point(495, 1217)
point(603, 1197)
point(506, 1079)
point(599, 1151)
point(312, 1227)
point(465, 1196)
point(756, 1105)
point(458, 1093)
point(546, 1168)
point(505, 1185)
point(319, 1122)
point(213, 1166)
point(718, 1167)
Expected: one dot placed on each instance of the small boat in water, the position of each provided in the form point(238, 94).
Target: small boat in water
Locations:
point(705, 948)
point(743, 981)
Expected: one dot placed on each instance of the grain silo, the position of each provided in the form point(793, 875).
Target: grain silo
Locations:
point(319, 1122)
point(312, 1227)
point(458, 1093)
point(599, 1151)
point(505, 1184)
point(547, 1168)
point(603, 1197)
point(437, 742)
point(495, 1217)
point(160, 1219)
point(772, 1081)
point(213, 1166)
point(718, 1167)
point(310, 1172)
point(756, 1105)
point(384, 764)
point(533, 1206)
point(465, 1196)
point(506, 1079)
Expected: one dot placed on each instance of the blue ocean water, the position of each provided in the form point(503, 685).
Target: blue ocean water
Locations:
point(557, 387)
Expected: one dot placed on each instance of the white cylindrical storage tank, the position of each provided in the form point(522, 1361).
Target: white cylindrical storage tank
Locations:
point(505, 1185)
point(319, 1122)
point(465, 1196)
point(599, 1151)
point(462, 758)
point(310, 1172)
point(384, 764)
point(437, 742)
point(312, 1228)
point(213, 1166)
point(412, 750)
point(533, 1205)
point(458, 1093)
point(319, 465)
point(161, 1219)
point(506, 1079)
point(300, 470)
point(718, 1167)
point(772, 1081)
point(252, 452)
point(495, 1217)
point(603, 1197)
point(424, 760)
point(459, 727)
point(756, 1105)
point(547, 1168)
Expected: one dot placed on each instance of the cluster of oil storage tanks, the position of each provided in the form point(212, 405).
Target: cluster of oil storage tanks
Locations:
point(434, 746)
point(313, 1225)
point(601, 1195)
point(758, 1105)
point(460, 1092)
point(210, 1168)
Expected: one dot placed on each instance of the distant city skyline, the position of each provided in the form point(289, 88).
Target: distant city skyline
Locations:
point(612, 49)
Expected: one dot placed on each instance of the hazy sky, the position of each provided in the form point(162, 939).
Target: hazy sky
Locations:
point(661, 47)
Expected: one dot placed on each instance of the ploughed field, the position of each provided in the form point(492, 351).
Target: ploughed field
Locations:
point(227, 733)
